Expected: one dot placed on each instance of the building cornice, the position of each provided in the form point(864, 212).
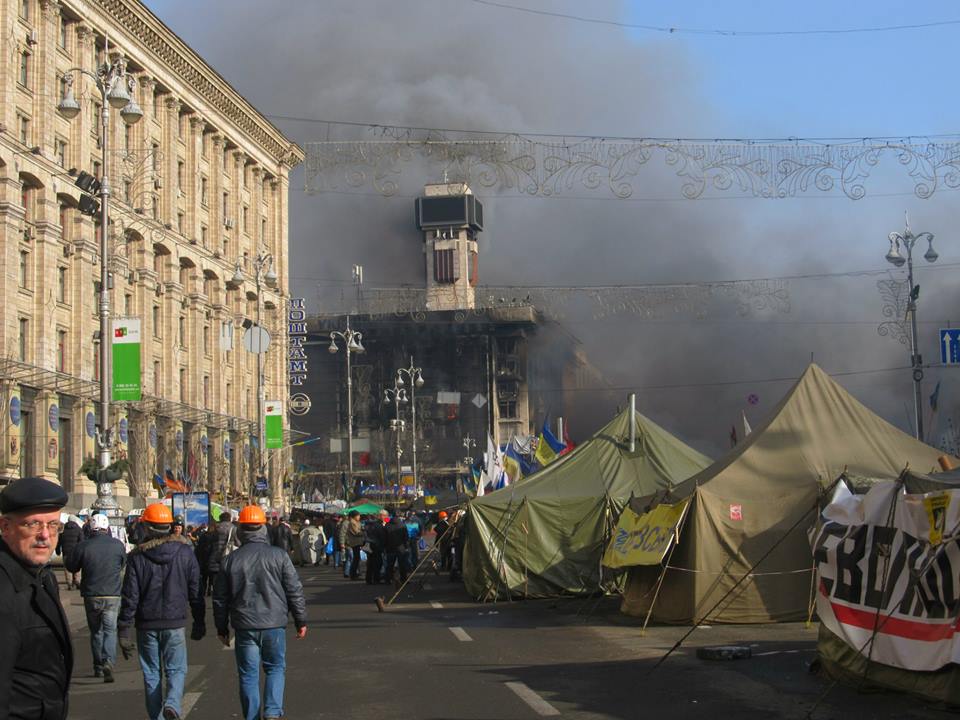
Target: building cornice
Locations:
point(152, 36)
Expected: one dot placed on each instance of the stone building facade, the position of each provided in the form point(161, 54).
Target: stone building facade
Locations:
point(200, 189)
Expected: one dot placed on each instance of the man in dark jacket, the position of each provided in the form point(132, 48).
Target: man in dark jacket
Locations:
point(101, 559)
point(70, 537)
point(223, 543)
point(377, 540)
point(162, 583)
point(36, 657)
point(283, 535)
point(398, 553)
point(256, 588)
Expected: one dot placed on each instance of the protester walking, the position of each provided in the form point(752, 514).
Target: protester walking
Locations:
point(101, 560)
point(351, 539)
point(256, 589)
point(442, 538)
point(223, 543)
point(161, 587)
point(70, 537)
point(398, 552)
point(283, 535)
point(330, 531)
point(36, 656)
point(376, 541)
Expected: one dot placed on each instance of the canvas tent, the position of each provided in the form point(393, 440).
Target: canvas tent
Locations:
point(545, 535)
point(747, 501)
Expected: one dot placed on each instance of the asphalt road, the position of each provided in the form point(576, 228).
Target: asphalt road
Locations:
point(436, 655)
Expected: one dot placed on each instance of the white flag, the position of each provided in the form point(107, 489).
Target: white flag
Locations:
point(494, 462)
point(746, 425)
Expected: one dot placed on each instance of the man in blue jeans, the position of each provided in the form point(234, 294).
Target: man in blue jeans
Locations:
point(101, 559)
point(161, 586)
point(256, 588)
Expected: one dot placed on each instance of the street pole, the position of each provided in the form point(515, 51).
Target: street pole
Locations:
point(908, 240)
point(397, 395)
point(415, 376)
point(261, 398)
point(352, 342)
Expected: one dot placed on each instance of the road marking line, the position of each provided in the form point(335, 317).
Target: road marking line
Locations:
point(189, 700)
point(435, 605)
point(537, 703)
point(460, 634)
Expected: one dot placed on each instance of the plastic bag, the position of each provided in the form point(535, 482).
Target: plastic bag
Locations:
point(329, 548)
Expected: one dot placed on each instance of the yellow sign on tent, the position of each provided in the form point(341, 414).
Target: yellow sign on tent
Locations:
point(643, 539)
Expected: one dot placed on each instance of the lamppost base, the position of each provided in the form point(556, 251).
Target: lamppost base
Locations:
point(106, 501)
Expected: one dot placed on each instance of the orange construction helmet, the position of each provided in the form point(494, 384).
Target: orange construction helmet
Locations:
point(442, 514)
point(252, 515)
point(158, 514)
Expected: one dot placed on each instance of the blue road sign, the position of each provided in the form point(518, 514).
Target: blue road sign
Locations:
point(950, 347)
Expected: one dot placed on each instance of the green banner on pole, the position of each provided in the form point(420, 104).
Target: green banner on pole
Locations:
point(126, 359)
point(273, 422)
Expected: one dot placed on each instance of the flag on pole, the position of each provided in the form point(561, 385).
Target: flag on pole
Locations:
point(548, 447)
point(511, 465)
point(494, 462)
point(935, 398)
point(746, 425)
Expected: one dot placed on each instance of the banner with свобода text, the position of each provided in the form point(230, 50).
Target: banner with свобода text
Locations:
point(890, 590)
point(126, 359)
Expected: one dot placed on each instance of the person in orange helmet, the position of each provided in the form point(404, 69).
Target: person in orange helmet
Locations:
point(161, 586)
point(256, 589)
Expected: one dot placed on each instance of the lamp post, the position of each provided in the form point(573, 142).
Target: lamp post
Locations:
point(116, 88)
point(259, 343)
point(396, 395)
point(414, 376)
point(352, 343)
point(908, 239)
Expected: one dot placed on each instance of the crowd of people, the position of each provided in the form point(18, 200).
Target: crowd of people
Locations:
point(143, 585)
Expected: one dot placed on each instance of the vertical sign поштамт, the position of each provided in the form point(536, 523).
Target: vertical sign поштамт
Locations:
point(126, 359)
point(297, 336)
point(273, 422)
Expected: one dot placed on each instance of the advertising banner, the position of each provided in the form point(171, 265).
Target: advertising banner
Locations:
point(887, 565)
point(194, 507)
point(273, 424)
point(12, 446)
point(126, 359)
point(644, 539)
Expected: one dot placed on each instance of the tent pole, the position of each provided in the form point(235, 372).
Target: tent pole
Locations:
point(656, 592)
point(633, 422)
point(813, 596)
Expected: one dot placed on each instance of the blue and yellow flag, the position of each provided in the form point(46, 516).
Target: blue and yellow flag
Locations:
point(511, 465)
point(548, 447)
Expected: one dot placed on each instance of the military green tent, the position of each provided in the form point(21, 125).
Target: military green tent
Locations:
point(545, 535)
point(763, 494)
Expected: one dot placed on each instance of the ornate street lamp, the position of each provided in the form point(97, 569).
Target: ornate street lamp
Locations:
point(116, 87)
point(908, 240)
point(352, 342)
point(396, 395)
point(414, 376)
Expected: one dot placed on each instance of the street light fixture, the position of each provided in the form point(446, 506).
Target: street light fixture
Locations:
point(908, 240)
point(414, 376)
point(116, 87)
point(352, 341)
point(397, 395)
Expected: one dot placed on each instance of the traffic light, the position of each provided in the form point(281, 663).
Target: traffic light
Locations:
point(90, 185)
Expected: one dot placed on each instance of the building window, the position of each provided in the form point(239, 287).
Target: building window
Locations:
point(180, 222)
point(23, 128)
point(63, 37)
point(95, 110)
point(203, 145)
point(25, 9)
point(446, 266)
point(157, 105)
point(127, 191)
point(62, 86)
point(97, 169)
point(96, 360)
point(64, 222)
point(180, 175)
point(158, 264)
point(226, 206)
point(62, 350)
point(24, 273)
point(203, 192)
point(156, 378)
point(22, 339)
point(206, 391)
point(24, 77)
point(127, 304)
point(229, 394)
point(245, 214)
point(61, 284)
point(157, 329)
point(128, 137)
point(206, 339)
point(263, 231)
point(60, 151)
point(203, 235)
point(183, 385)
point(182, 331)
point(155, 156)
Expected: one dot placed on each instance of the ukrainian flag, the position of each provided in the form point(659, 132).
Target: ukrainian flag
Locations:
point(548, 447)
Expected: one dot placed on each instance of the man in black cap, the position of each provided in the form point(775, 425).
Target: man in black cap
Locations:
point(36, 657)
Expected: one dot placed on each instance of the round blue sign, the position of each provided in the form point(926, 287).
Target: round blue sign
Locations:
point(153, 436)
point(90, 423)
point(179, 440)
point(53, 417)
point(124, 427)
point(226, 449)
point(204, 442)
point(14, 410)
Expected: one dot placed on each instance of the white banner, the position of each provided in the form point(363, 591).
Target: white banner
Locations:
point(888, 568)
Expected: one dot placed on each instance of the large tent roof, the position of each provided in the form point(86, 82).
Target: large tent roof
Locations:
point(544, 535)
point(765, 489)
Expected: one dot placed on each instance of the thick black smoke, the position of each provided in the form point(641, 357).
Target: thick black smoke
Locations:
point(451, 64)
